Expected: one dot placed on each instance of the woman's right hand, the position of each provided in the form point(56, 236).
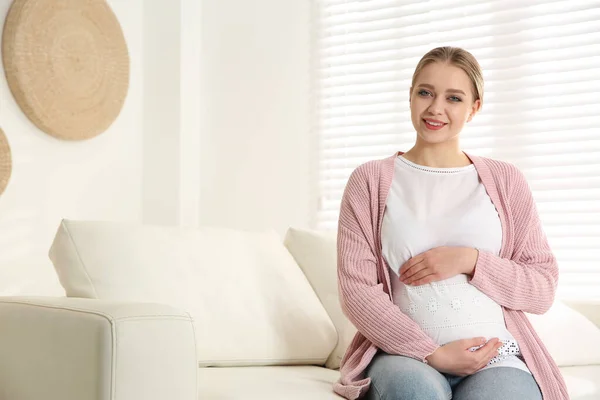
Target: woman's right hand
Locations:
point(455, 357)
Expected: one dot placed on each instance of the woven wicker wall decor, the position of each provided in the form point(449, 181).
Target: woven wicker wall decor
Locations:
point(5, 162)
point(67, 65)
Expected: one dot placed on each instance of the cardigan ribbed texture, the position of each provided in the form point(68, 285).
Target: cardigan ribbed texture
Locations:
point(522, 278)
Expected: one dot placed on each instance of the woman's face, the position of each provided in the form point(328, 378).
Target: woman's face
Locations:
point(441, 102)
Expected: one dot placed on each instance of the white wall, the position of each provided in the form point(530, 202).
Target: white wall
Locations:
point(172, 94)
point(214, 131)
point(52, 179)
point(255, 142)
point(162, 98)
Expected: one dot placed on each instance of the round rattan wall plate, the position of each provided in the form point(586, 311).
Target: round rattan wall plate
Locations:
point(67, 65)
point(5, 162)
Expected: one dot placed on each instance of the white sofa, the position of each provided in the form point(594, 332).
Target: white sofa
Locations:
point(184, 314)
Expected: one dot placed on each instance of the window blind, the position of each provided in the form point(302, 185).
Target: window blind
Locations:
point(541, 110)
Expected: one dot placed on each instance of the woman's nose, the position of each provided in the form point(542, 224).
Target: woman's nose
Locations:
point(436, 106)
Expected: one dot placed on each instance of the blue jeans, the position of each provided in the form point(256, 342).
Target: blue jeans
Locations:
point(400, 378)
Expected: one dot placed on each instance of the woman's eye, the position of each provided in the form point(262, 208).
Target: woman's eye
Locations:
point(424, 93)
point(454, 98)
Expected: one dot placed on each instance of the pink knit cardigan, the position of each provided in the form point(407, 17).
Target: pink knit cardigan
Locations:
point(522, 278)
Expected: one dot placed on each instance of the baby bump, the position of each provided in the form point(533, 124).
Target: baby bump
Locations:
point(451, 309)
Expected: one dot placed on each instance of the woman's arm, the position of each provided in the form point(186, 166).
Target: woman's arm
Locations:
point(362, 297)
point(529, 282)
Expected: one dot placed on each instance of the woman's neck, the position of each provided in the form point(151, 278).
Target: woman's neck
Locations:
point(437, 158)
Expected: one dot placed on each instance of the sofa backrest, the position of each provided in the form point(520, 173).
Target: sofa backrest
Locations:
point(250, 302)
point(316, 253)
point(570, 337)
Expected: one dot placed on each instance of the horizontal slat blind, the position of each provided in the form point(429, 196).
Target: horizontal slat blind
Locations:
point(541, 64)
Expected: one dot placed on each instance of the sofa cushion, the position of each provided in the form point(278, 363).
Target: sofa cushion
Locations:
point(268, 383)
point(571, 338)
point(300, 383)
point(250, 302)
point(583, 382)
point(316, 254)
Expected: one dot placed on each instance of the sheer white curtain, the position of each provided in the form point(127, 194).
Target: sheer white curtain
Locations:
point(541, 63)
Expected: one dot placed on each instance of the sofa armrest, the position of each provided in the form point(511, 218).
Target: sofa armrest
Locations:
point(56, 348)
point(589, 308)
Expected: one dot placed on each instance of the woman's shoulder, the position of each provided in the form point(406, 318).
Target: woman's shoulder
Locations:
point(500, 167)
point(374, 168)
point(508, 175)
point(369, 175)
point(503, 169)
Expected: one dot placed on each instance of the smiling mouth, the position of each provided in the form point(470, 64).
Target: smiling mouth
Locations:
point(434, 125)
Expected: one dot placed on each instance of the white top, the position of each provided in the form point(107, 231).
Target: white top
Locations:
point(432, 207)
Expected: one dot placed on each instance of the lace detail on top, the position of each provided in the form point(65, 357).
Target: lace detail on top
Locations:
point(509, 348)
point(425, 168)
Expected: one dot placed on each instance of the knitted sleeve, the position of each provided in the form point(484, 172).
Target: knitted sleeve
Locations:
point(528, 281)
point(362, 297)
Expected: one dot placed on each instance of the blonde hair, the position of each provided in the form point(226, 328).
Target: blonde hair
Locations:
point(459, 58)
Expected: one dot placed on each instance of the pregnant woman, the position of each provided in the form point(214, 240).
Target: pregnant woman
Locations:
point(440, 253)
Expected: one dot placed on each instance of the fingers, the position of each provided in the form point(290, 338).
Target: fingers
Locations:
point(467, 344)
point(411, 261)
point(420, 278)
point(486, 349)
point(406, 271)
point(489, 353)
point(492, 351)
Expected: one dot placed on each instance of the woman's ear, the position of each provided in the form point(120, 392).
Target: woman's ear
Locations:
point(474, 109)
point(409, 94)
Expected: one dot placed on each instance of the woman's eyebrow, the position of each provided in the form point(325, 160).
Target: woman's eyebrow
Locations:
point(428, 86)
point(456, 91)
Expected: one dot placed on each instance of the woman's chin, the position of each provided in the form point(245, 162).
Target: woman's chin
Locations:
point(432, 137)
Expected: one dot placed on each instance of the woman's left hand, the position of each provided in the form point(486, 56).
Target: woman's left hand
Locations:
point(438, 264)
